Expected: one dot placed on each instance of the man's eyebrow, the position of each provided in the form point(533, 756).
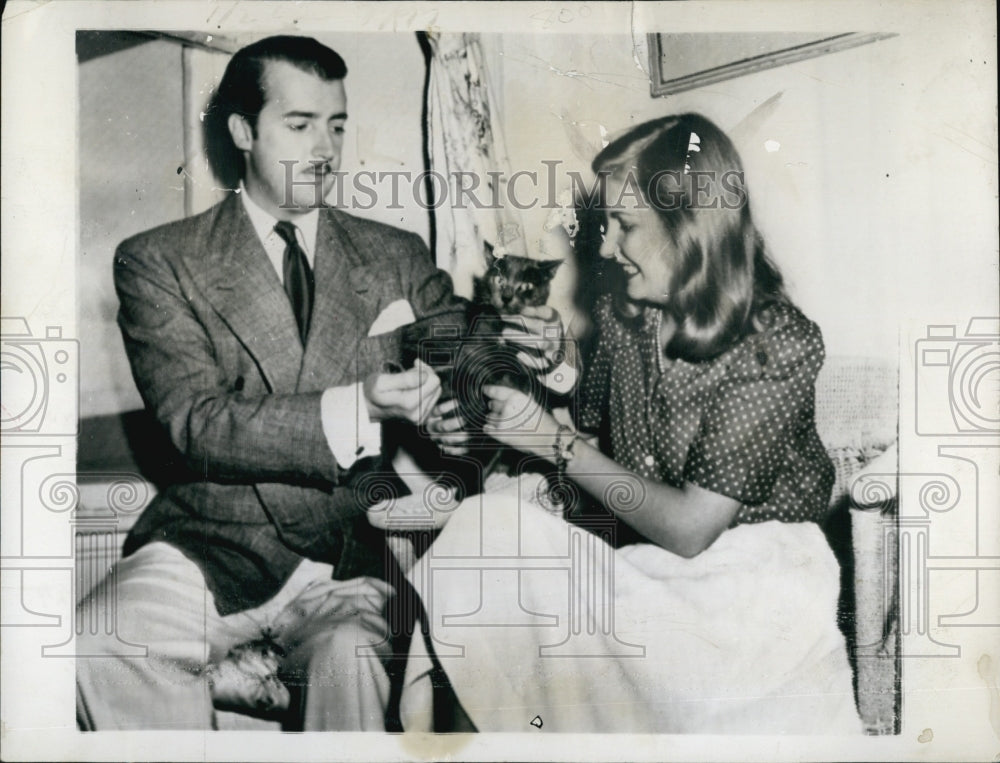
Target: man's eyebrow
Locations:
point(312, 115)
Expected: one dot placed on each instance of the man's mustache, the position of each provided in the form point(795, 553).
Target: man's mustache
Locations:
point(318, 169)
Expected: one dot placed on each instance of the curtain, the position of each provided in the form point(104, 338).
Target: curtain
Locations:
point(466, 146)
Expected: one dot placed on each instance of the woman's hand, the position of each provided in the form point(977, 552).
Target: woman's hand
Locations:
point(446, 427)
point(538, 332)
point(519, 421)
point(685, 520)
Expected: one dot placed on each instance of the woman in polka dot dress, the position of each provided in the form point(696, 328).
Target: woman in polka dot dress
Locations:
point(709, 606)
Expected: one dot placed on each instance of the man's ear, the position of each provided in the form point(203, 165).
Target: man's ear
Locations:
point(241, 132)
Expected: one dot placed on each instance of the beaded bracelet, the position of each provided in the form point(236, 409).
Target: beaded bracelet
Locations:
point(564, 453)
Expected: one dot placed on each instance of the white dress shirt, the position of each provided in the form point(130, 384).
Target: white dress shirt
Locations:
point(343, 410)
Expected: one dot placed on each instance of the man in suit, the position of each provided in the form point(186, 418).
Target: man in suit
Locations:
point(258, 334)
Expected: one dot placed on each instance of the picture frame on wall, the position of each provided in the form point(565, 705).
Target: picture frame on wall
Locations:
point(684, 61)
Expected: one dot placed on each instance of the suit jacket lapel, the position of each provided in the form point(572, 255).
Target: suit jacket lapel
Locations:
point(341, 307)
point(247, 293)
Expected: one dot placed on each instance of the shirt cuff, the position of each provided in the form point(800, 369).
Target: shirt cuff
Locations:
point(560, 379)
point(349, 432)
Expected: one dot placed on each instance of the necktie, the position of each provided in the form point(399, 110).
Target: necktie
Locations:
point(299, 284)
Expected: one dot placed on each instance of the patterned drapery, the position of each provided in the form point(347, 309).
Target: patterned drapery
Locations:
point(466, 146)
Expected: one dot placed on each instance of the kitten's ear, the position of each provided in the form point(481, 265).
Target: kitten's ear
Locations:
point(549, 268)
point(488, 255)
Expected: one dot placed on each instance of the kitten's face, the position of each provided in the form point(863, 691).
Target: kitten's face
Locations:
point(513, 283)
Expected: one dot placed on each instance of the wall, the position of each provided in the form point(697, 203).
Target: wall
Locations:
point(847, 158)
point(132, 143)
point(130, 146)
point(385, 88)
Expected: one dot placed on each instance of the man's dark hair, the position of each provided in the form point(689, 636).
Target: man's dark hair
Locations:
point(243, 91)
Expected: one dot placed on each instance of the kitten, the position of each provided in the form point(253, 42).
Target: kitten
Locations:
point(509, 285)
point(465, 363)
point(512, 283)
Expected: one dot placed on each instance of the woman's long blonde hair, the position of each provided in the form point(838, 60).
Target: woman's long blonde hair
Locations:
point(688, 170)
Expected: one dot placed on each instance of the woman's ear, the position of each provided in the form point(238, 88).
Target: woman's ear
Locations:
point(241, 132)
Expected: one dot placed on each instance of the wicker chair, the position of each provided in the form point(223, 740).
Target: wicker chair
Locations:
point(856, 414)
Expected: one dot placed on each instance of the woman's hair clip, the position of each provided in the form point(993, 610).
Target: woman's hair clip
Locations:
point(694, 146)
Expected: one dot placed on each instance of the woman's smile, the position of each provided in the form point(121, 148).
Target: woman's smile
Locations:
point(636, 238)
point(630, 269)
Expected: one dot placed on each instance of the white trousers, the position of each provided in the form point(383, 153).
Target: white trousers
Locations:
point(334, 634)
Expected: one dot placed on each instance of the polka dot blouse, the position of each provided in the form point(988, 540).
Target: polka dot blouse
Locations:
point(741, 424)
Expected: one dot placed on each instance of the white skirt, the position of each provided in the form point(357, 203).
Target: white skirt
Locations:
point(540, 623)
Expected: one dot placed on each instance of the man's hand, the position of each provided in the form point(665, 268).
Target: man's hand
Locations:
point(540, 330)
point(408, 395)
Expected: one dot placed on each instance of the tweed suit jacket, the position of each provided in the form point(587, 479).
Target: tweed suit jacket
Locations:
point(215, 352)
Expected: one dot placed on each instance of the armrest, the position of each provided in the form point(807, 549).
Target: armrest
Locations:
point(875, 486)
